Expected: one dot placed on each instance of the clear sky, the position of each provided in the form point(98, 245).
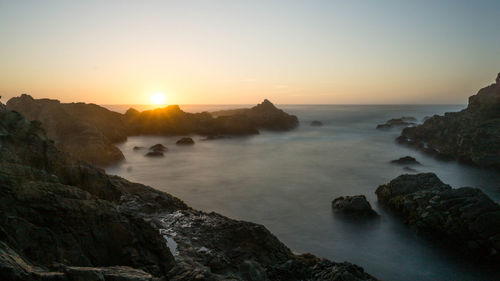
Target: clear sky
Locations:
point(239, 52)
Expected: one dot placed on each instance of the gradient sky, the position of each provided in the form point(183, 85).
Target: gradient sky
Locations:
point(239, 52)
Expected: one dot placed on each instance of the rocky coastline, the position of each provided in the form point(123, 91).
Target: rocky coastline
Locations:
point(62, 219)
point(89, 132)
point(471, 135)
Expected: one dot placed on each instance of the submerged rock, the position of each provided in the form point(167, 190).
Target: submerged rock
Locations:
point(398, 122)
point(185, 141)
point(158, 148)
point(407, 160)
point(353, 206)
point(464, 218)
point(316, 123)
point(138, 147)
point(471, 135)
point(154, 154)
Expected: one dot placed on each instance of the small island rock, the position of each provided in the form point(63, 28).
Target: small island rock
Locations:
point(158, 148)
point(353, 206)
point(154, 154)
point(185, 141)
point(407, 160)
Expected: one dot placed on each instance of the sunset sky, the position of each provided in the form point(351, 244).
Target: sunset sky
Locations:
point(239, 52)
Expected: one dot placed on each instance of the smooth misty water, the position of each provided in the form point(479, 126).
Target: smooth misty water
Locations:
point(286, 181)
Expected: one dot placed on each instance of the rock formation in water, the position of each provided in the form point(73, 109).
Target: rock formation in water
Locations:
point(62, 219)
point(263, 116)
point(185, 141)
point(398, 122)
point(407, 160)
point(464, 218)
point(471, 135)
point(88, 131)
point(316, 123)
point(353, 206)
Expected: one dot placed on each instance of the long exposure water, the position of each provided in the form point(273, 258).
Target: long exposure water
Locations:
point(286, 181)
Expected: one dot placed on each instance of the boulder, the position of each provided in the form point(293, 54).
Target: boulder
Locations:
point(407, 160)
point(353, 206)
point(158, 148)
point(154, 154)
point(185, 141)
point(464, 218)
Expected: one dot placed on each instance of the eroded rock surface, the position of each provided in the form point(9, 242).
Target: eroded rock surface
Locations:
point(464, 218)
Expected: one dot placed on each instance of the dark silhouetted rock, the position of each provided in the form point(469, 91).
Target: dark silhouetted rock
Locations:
point(316, 123)
point(471, 135)
point(62, 219)
point(465, 218)
point(407, 160)
point(87, 131)
point(398, 122)
point(409, 169)
point(185, 141)
point(353, 206)
point(158, 148)
point(138, 147)
point(154, 154)
point(215, 137)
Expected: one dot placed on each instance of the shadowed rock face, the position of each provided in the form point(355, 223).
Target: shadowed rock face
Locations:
point(471, 135)
point(353, 206)
point(62, 219)
point(465, 218)
point(88, 131)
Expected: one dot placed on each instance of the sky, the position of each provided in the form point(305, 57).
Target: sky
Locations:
point(240, 52)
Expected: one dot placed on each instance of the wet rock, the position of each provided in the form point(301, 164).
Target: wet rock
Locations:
point(407, 160)
point(463, 218)
point(398, 122)
point(185, 141)
point(154, 154)
point(470, 135)
point(158, 148)
point(316, 123)
point(353, 206)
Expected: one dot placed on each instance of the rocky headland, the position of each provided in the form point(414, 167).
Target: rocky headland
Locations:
point(89, 132)
point(471, 135)
point(464, 218)
point(62, 219)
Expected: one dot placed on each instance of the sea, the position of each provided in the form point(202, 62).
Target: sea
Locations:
point(287, 180)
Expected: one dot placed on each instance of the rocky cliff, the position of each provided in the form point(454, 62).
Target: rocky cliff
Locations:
point(464, 218)
point(471, 135)
point(62, 219)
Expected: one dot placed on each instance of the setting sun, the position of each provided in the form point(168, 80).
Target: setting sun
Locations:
point(157, 99)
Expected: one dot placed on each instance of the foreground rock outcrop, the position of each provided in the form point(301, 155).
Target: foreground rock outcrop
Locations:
point(89, 132)
point(62, 219)
point(464, 218)
point(471, 135)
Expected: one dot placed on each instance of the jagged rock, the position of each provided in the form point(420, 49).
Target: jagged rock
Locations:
point(316, 123)
point(353, 206)
point(397, 122)
point(185, 141)
point(62, 219)
point(464, 218)
point(471, 135)
point(407, 160)
point(158, 148)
